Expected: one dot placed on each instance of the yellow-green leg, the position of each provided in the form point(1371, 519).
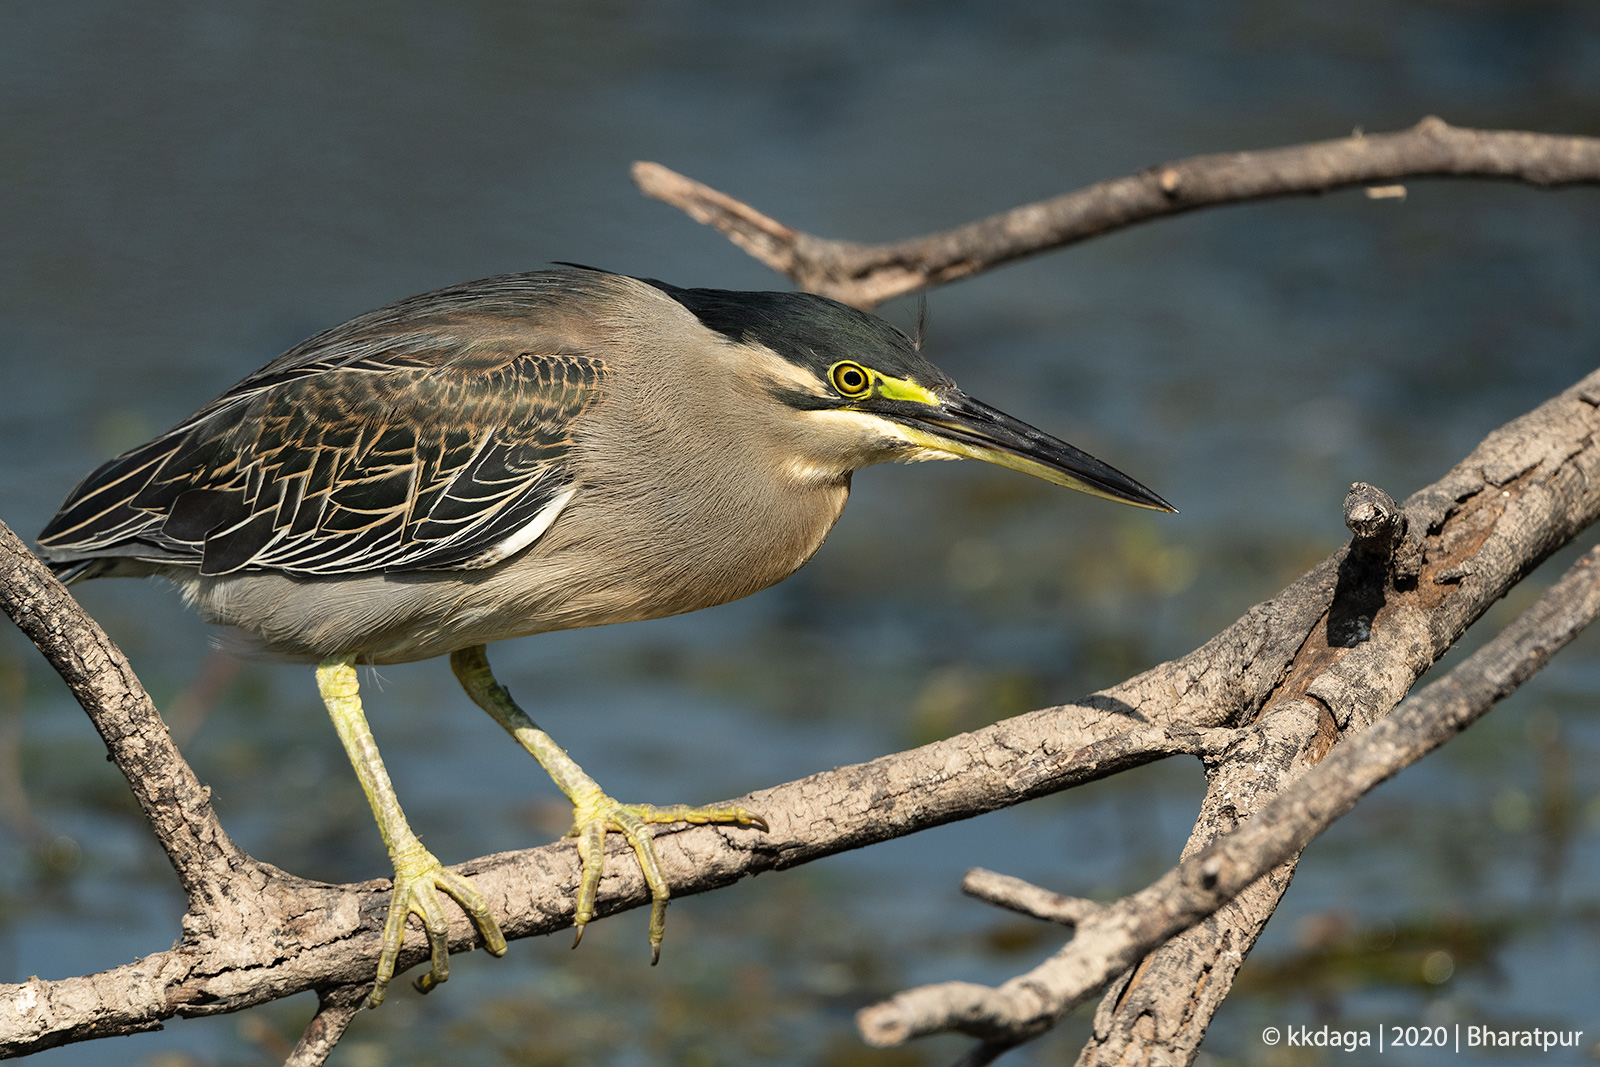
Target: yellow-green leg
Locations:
point(594, 813)
point(418, 874)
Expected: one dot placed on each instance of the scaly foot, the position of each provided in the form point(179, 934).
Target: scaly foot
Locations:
point(595, 813)
point(418, 876)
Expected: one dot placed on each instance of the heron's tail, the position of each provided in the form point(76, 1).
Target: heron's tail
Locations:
point(77, 570)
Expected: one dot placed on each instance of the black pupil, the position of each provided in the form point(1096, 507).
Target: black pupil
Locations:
point(852, 380)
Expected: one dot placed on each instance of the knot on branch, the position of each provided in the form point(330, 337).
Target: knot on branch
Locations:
point(1375, 519)
point(1432, 126)
point(1382, 533)
point(1381, 555)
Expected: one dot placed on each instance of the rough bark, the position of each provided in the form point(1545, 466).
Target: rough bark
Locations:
point(265, 934)
point(1299, 676)
point(1410, 580)
point(1111, 937)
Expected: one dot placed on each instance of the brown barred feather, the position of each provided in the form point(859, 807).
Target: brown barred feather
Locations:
point(418, 436)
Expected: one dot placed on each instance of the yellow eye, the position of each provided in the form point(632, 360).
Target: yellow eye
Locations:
point(851, 379)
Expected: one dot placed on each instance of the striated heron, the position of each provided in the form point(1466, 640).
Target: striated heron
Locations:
point(520, 454)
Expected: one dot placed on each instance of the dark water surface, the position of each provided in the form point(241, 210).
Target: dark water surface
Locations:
point(186, 190)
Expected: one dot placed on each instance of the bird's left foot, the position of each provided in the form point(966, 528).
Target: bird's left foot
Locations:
point(594, 814)
point(418, 878)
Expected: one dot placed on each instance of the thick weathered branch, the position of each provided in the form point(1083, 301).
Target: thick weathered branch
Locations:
point(1383, 628)
point(177, 806)
point(1526, 490)
point(1111, 937)
point(1160, 1011)
point(299, 935)
point(867, 275)
point(1162, 1008)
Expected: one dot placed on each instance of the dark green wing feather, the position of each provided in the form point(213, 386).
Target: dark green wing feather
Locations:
point(431, 434)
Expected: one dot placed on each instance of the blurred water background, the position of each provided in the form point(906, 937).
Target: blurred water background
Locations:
point(188, 189)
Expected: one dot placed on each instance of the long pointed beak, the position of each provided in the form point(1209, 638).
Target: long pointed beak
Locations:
point(962, 426)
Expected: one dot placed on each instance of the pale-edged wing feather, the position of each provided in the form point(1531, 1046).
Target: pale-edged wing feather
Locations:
point(434, 433)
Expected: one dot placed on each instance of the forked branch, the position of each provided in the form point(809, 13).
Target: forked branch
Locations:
point(1259, 703)
point(1524, 492)
point(1110, 938)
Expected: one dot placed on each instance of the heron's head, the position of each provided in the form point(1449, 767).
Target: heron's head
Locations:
point(855, 391)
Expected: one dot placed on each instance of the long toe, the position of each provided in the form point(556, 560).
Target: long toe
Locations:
point(596, 814)
point(418, 878)
point(728, 814)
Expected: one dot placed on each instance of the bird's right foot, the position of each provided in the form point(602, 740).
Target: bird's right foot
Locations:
point(595, 814)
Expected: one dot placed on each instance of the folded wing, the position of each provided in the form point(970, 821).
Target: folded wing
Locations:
point(417, 442)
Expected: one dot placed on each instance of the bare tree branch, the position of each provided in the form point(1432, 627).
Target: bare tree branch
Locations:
point(177, 806)
point(336, 1008)
point(1111, 937)
point(300, 935)
point(1160, 1011)
point(1381, 632)
point(1526, 490)
point(1004, 891)
point(1260, 703)
point(867, 275)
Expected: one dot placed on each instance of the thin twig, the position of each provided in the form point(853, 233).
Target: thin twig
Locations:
point(336, 1008)
point(867, 275)
point(1004, 891)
